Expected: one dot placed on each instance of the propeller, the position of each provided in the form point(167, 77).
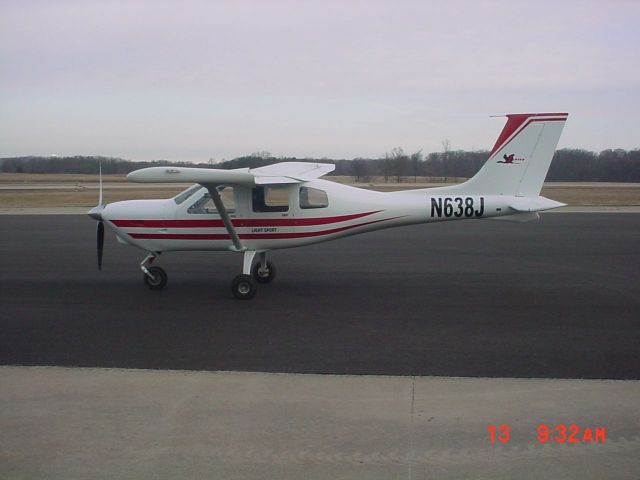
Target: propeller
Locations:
point(100, 243)
point(96, 213)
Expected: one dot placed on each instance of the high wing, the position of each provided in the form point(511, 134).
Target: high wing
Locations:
point(278, 173)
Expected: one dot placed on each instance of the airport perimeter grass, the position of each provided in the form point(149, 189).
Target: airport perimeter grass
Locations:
point(83, 197)
point(21, 178)
point(34, 190)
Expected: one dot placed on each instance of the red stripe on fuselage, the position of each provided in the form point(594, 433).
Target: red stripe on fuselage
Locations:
point(239, 222)
point(247, 236)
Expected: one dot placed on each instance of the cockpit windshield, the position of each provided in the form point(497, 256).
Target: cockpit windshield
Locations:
point(181, 197)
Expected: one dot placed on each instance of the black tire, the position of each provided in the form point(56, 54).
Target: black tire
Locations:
point(159, 279)
point(262, 278)
point(244, 287)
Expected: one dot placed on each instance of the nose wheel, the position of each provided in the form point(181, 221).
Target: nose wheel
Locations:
point(155, 278)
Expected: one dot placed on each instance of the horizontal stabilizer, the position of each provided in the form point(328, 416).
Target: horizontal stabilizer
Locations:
point(535, 204)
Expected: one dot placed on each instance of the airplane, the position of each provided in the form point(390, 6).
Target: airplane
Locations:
point(287, 204)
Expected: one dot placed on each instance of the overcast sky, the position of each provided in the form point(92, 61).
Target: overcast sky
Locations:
point(190, 80)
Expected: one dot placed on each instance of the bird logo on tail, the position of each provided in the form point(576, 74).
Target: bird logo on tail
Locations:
point(510, 159)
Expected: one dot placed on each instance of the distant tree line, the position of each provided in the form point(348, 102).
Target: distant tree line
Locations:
point(78, 164)
point(573, 165)
point(569, 165)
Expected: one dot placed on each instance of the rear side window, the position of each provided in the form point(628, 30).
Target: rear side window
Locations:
point(270, 199)
point(313, 198)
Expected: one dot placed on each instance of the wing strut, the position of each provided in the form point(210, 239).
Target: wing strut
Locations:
point(217, 201)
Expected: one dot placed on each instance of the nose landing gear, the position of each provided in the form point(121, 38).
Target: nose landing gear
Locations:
point(155, 278)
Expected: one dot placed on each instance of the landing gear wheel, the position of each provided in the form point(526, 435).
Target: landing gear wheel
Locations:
point(159, 279)
point(264, 276)
point(244, 287)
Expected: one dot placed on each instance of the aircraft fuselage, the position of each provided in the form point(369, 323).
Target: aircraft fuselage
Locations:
point(164, 225)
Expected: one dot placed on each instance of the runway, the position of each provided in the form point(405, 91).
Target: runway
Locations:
point(557, 298)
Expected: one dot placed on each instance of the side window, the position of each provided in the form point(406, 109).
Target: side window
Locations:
point(270, 199)
point(205, 205)
point(313, 198)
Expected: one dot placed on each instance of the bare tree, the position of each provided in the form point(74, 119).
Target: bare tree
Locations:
point(446, 148)
point(402, 163)
point(416, 159)
point(387, 167)
point(361, 169)
point(397, 163)
point(262, 154)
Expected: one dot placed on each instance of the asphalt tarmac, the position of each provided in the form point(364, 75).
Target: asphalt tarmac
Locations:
point(556, 298)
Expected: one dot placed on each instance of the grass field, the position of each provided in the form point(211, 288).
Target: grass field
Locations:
point(59, 190)
point(19, 178)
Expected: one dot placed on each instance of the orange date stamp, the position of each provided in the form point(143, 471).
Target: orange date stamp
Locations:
point(559, 433)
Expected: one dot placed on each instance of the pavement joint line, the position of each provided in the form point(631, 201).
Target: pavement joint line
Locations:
point(322, 375)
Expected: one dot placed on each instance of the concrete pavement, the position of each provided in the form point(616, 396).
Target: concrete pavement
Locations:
point(77, 423)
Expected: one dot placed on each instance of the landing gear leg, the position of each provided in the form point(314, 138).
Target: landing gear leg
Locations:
point(244, 286)
point(155, 278)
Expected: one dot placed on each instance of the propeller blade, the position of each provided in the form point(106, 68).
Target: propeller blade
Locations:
point(100, 243)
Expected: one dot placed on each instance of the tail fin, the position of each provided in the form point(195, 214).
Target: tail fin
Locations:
point(520, 159)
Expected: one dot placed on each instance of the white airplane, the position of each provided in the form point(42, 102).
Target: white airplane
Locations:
point(284, 205)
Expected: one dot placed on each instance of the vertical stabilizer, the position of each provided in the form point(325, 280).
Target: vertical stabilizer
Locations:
point(520, 159)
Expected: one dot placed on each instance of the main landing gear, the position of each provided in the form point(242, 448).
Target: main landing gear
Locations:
point(243, 287)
